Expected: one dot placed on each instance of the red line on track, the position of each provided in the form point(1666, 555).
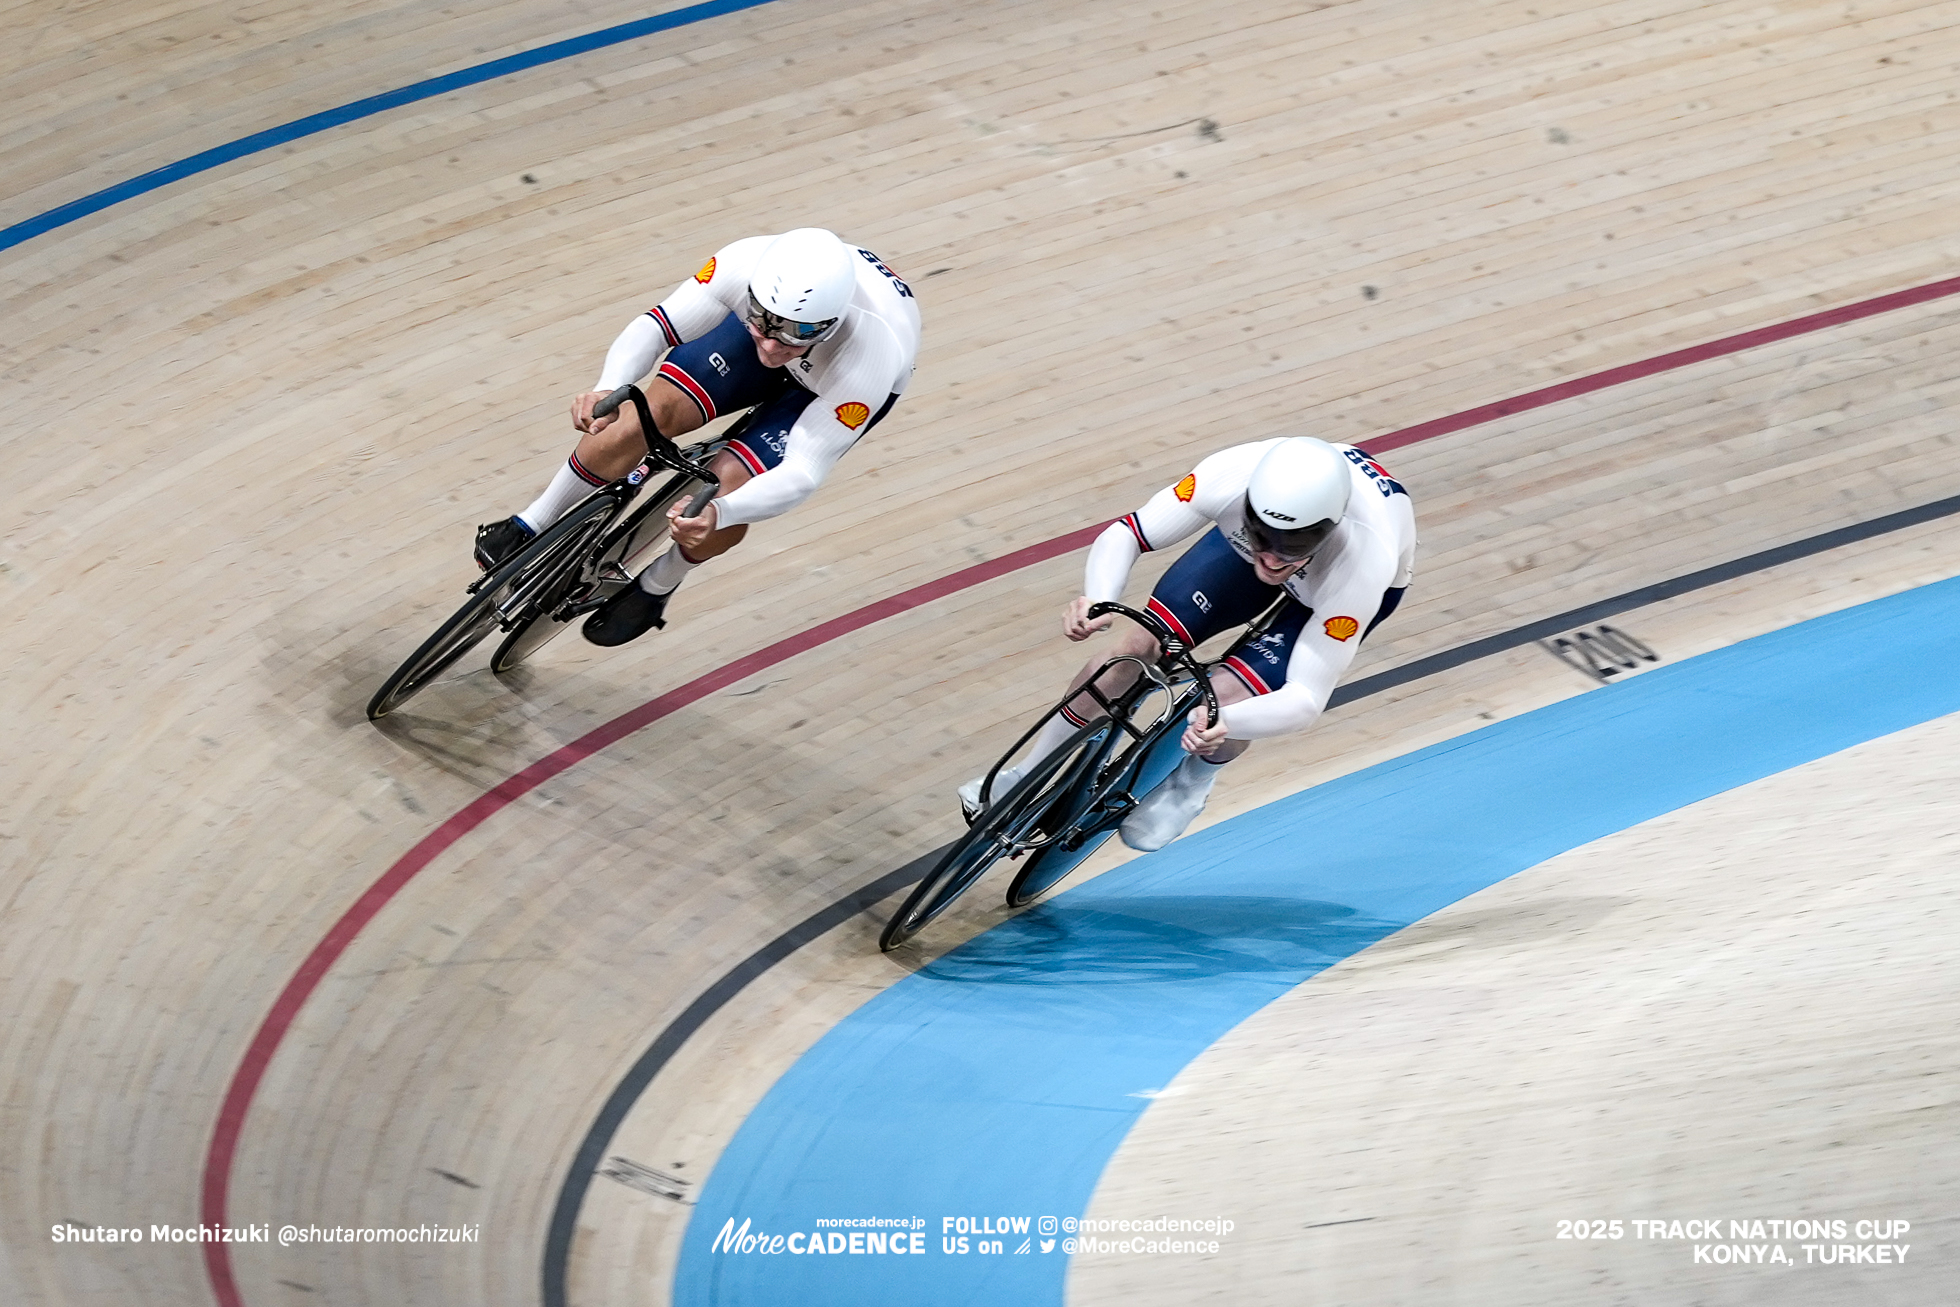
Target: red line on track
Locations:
point(213, 1209)
point(1679, 358)
point(258, 1055)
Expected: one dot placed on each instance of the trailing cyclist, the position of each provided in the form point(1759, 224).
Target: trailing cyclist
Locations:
point(1323, 524)
point(815, 337)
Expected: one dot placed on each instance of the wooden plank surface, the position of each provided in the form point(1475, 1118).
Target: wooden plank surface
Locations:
point(303, 377)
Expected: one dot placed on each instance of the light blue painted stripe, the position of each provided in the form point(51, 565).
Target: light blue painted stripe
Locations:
point(373, 104)
point(1000, 1080)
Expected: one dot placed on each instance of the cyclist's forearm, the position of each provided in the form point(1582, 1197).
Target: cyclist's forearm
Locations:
point(811, 449)
point(1286, 710)
point(633, 353)
point(1110, 560)
point(769, 495)
point(1312, 672)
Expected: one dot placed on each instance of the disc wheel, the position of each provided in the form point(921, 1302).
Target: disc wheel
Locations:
point(630, 547)
point(1046, 866)
point(1012, 820)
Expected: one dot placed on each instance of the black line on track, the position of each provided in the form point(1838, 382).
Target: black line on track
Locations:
point(564, 1217)
point(1651, 594)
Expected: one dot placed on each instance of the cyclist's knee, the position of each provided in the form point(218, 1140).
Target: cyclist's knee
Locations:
point(673, 411)
point(729, 470)
point(1136, 642)
point(1228, 687)
point(612, 450)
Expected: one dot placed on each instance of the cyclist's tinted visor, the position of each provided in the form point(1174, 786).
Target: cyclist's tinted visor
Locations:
point(787, 331)
point(1295, 546)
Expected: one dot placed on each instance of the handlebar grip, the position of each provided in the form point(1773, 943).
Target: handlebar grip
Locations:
point(1147, 620)
point(610, 404)
point(701, 498)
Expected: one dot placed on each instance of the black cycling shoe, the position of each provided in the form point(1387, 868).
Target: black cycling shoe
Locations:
point(498, 542)
point(628, 615)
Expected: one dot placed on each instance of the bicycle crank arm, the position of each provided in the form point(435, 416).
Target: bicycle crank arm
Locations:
point(584, 599)
point(576, 608)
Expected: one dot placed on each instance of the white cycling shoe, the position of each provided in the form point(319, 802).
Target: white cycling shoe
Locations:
point(970, 792)
point(1171, 807)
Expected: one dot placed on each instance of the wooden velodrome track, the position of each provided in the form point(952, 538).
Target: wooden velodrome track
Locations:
point(252, 415)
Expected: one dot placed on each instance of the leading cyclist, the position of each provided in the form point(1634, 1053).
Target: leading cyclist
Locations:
point(816, 337)
point(1326, 525)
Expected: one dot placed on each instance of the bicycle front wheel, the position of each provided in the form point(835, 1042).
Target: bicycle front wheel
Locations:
point(1000, 831)
point(466, 627)
point(538, 573)
point(1070, 848)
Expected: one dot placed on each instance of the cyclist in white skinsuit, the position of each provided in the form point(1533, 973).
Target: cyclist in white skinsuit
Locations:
point(815, 337)
point(1324, 524)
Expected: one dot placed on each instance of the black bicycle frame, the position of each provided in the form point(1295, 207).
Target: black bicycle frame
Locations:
point(1177, 657)
point(661, 453)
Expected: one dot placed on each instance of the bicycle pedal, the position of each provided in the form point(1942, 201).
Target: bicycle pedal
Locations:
point(611, 573)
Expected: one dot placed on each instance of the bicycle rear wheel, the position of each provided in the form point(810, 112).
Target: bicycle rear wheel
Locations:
point(1012, 820)
point(1047, 865)
point(631, 545)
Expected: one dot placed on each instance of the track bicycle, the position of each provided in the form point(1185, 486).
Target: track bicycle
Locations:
point(566, 570)
point(1067, 804)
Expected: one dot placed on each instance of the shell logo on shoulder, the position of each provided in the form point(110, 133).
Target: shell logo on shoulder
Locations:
point(1186, 488)
point(707, 273)
point(852, 415)
point(1342, 628)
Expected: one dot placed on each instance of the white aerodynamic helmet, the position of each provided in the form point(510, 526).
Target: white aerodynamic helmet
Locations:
point(1297, 496)
point(801, 286)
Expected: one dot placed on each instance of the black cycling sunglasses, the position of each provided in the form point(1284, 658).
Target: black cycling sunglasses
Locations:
point(1295, 545)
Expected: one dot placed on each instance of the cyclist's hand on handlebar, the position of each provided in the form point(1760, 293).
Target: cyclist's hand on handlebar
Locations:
point(582, 418)
point(691, 532)
point(1076, 624)
point(1201, 739)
